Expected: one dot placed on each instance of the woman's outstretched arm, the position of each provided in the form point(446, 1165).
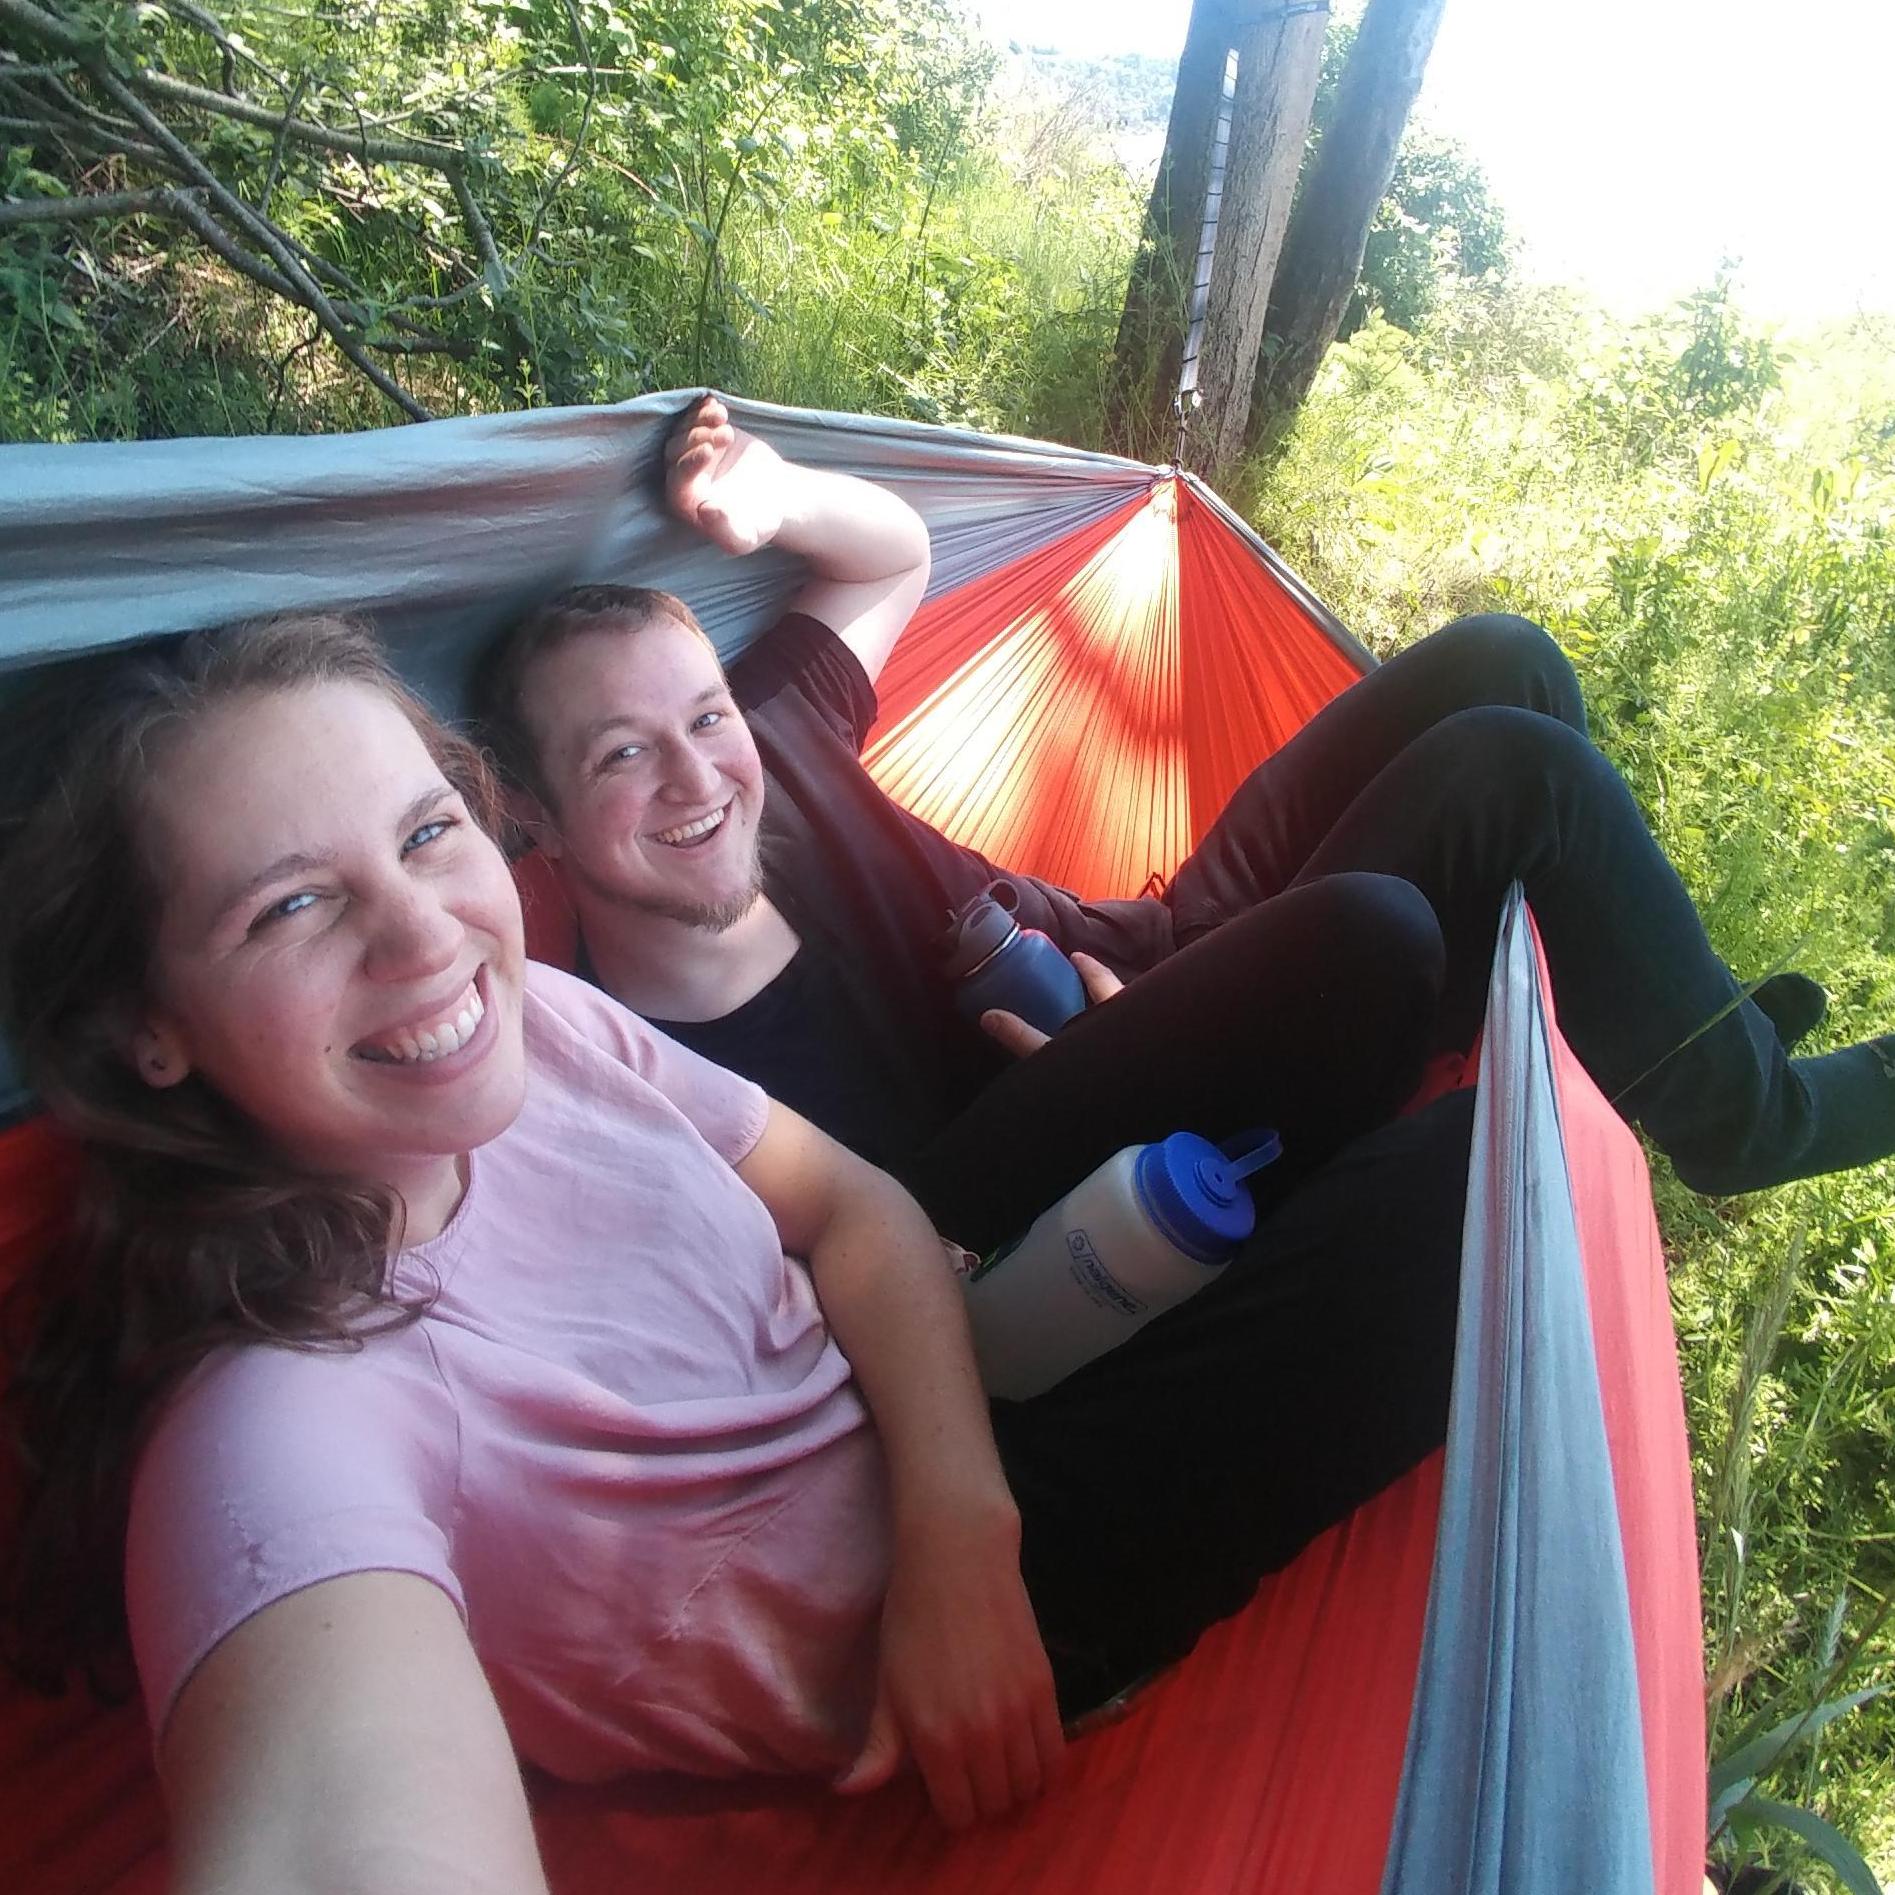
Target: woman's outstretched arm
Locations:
point(965, 1686)
point(344, 1742)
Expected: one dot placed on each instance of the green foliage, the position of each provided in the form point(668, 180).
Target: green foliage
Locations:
point(1705, 517)
point(1438, 221)
point(656, 182)
point(809, 200)
point(1740, 1812)
point(1649, 396)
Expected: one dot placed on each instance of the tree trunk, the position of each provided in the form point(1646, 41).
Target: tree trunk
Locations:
point(1144, 378)
point(1279, 55)
point(1322, 255)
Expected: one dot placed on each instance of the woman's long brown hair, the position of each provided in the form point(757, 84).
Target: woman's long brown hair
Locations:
point(188, 1232)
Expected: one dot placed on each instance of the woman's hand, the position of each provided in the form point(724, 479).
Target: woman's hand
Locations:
point(1020, 1039)
point(964, 1686)
point(726, 483)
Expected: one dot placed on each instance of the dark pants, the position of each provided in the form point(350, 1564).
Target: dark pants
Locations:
point(1462, 766)
point(1335, 927)
point(1459, 767)
point(1160, 1482)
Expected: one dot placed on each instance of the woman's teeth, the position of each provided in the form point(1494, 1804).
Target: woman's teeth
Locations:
point(436, 1042)
point(693, 831)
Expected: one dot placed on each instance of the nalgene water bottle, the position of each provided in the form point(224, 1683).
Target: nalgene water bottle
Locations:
point(1153, 1225)
point(994, 962)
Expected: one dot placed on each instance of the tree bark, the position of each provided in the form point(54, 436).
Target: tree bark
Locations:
point(1144, 379)
point(1279, 55)
point(1322, 255)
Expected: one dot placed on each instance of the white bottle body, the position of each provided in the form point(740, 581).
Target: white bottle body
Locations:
point(1088, 1275)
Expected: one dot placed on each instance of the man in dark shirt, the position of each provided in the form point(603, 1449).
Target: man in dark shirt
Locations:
point(739, 878)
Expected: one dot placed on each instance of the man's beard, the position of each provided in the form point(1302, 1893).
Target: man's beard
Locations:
point(713, 917)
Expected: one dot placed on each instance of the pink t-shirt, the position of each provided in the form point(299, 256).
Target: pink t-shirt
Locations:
point(622, 1441)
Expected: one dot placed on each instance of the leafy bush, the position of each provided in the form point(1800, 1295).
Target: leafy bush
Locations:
point(639, 186)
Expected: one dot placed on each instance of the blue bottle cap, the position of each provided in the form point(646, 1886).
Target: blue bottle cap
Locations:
point(983, 926)
point(1195, 1196)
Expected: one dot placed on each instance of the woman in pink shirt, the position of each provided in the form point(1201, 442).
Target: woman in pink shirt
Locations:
point(444, 1364)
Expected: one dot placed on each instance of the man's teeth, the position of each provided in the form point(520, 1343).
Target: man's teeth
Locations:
point(436, 1042)
point(692, 830)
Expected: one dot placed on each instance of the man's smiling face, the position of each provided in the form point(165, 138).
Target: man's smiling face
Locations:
point(655, 786)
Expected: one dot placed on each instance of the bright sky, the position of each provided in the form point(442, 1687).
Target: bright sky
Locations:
point(1635, 142)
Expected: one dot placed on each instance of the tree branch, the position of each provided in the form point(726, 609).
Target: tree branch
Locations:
point(494, 268)
point(425, 345)
point(12, 68)
point(158, 85)
point(61, 97)
point(52, 94)
point(283, 369)
point(579, 139)
point(182, 206)
point(452, 300)
point(243, 235)
point(263, 233)
point(217, 239)
point(49, 28)
point(72, 210)
point(50, 121)
point(214, 30)
point(55, 32)
point(282, 136)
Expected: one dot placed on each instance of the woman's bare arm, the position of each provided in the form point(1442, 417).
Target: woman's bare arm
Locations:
point(965, 1684)
point(344, 1742)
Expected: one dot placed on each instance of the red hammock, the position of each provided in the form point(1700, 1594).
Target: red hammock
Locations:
point(1083, 712)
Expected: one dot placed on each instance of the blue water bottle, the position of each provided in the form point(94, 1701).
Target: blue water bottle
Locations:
point(994, 962)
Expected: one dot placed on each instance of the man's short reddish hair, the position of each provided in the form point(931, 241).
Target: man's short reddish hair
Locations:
point(501, 689)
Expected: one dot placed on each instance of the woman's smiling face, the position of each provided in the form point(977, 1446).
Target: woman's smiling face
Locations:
point(339, 950)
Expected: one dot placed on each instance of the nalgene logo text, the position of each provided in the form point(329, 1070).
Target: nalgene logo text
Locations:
point(1090, 1273)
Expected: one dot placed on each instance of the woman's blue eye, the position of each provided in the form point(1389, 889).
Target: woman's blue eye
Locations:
point(427, 833)
point(708, 719)
point(282, 910)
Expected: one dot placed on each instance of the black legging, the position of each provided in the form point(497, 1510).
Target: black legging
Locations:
point(1459, 767)
point(1336, 926)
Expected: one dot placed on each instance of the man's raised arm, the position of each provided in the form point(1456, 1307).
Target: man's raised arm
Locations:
point(867, 550)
